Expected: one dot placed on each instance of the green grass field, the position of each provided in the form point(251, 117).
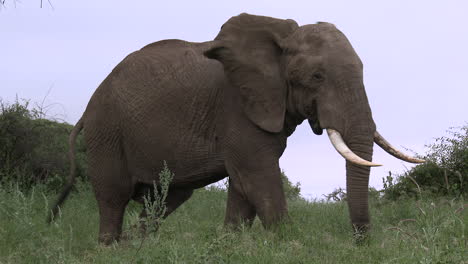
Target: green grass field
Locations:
point(407, 231)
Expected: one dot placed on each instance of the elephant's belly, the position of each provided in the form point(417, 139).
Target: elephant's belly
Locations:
point(199, 171)
point(191, 169)
point(184, 137)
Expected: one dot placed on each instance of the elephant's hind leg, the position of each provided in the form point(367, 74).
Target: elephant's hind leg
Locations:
point(112, 187)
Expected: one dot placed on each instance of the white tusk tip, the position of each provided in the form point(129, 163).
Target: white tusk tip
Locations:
point(385, 145)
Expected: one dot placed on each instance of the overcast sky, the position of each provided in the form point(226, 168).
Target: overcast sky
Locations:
point(415, 59)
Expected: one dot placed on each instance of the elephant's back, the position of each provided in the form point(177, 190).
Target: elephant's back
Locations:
point(166, 95)
point(159, 76)
point(163, 68)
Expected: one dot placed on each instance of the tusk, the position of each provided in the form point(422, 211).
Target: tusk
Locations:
point(340, 146)
point(379, 140)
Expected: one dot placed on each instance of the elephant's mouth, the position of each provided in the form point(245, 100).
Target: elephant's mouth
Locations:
point(312, 113)
point(315, 125)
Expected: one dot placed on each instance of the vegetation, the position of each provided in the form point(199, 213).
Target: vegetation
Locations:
point(34, 149)
point(427, 231)
point(444, 174)
point(419, 216)
point(291, 190)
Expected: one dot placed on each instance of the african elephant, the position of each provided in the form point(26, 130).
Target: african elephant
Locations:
point(226, 107)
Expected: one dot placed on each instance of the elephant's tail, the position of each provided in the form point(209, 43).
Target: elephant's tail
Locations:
point(71, 154)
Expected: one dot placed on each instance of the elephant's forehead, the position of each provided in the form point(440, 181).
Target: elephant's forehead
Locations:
point(329, 41)
point(318, 36)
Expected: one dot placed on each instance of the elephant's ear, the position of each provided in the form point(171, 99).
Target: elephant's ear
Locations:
point(249, 48)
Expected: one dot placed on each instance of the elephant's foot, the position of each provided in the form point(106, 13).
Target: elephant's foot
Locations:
point(108, 239)
point(110, 224)
point(272, 211)
point(361, 234)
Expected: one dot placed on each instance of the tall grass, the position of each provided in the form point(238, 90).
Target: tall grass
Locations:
point(407, 231)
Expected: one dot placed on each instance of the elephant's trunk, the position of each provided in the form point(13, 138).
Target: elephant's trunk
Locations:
point(359, 137)
point(357, 183)
point(347, 111)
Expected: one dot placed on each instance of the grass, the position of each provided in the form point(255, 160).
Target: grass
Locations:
point(406, 231)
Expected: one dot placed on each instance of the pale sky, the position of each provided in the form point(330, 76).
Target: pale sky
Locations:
point(415, 56)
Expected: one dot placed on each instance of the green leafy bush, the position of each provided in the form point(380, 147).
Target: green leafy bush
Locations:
point(34, 149)
point(444, 173)
point(292, 191)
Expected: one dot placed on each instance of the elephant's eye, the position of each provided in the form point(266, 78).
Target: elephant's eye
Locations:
point(318, 77)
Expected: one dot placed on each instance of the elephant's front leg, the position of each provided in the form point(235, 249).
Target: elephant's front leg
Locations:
point(238, 209)
point(255, 187)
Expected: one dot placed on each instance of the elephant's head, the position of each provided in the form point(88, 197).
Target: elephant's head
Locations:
point(309, 72)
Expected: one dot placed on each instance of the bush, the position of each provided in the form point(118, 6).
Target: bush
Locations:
point(292, 191)
point(34, 149)
point(444, 173)
point(339, 194)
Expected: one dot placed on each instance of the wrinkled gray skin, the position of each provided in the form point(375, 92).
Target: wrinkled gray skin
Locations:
point(224, 107)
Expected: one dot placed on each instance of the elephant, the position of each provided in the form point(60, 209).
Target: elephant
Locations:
point(225, 108)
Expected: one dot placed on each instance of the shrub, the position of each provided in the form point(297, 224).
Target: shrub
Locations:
point(339, 194)
point(444, 173)
point(34, 149)
point(292, 191)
